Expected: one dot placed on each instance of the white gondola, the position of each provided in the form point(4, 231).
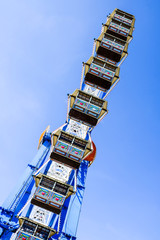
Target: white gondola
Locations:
point(50, 193)
point(86, 108)
point(69, 149)
point(31, 230)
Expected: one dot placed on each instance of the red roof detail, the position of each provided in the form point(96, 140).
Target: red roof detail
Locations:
point(92, 155)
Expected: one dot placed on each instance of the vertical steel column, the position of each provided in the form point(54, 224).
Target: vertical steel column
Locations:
point(74, 208)
point(19, 196)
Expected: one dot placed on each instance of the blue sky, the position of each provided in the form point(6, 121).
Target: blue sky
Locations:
point(42, 46)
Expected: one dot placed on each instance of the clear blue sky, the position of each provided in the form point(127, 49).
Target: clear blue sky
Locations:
point(42, 46)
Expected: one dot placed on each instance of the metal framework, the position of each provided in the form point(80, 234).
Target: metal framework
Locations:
point(46, 202)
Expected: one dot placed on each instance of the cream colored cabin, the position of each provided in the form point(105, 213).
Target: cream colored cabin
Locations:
point(101, 73)
point(111, 47)
point(30, 229)
point(50, 193)
point(69, 149)
point(86, 108)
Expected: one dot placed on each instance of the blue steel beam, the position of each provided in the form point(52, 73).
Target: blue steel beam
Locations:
point(21, 193)
point(71, 213)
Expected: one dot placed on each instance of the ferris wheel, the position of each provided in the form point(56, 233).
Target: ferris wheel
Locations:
point(46, 203)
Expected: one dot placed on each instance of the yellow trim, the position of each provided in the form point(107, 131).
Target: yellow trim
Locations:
point(105, 105)
point(117, 71)
point(55, 137)
point(104, 109)
point(42, 135)
point(22, 219)
point(74, 94)
point(86, 69)
point(129, 34)
point(87, 65)
point(89, 60)
point(116, 76)
point(73, 97)
point(88, 149)
point(40, 175)
point(100, 37)
point(122, 12)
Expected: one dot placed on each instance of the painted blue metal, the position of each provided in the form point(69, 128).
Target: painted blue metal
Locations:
point(99, 94)
point(21, 193)
point(72, 207)
point(75, 204)
point(23, 187)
